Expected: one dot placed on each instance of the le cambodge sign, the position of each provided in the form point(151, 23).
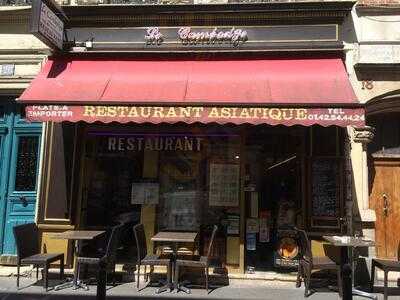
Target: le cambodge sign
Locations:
point(203, 114)
point(188, 36)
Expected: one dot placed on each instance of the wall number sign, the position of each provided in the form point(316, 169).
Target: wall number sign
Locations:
point(367, 85)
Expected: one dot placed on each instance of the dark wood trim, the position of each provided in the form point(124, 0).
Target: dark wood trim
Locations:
point(379, 67)
point(307, 7)
point(383, 104)
point(134, 15)
point(257, 54)
point(377, 10)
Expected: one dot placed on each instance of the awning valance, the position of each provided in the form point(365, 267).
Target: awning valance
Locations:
point(274, 91)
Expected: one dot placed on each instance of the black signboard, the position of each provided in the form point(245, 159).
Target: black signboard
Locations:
point(48, 23)
point(194, 38)
point(325, 187)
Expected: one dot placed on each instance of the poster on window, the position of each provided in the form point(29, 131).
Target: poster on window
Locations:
point(145, 193)
point(254, 205)
point(233, 225)
point(251, 241)
point(224, 184)
point(252, 225)
point(181, 210)
point(264, 230)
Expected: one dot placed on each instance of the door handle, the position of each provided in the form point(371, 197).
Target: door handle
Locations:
point(24, 201)
point(385, 205)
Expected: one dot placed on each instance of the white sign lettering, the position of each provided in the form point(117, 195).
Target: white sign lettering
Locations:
point(153, 36)
point(187, 36)
point(51, 26)
point(154, 144)
point(233, 36)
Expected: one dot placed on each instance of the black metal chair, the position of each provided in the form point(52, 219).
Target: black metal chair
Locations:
point(202, 262)
point(386, 266)
point(148, 259)
point(105, 259)
point(308, 263)
point(28, 252)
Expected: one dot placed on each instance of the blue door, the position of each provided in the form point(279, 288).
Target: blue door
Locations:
point(19, 163)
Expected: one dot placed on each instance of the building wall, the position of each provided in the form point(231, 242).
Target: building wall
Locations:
point(371, 62)
point(21, 57)
point(370, 59)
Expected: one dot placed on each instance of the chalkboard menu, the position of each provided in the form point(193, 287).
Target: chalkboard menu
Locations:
point(325, 178)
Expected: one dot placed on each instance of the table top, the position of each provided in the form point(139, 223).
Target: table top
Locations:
point(175, 236)
point(77, 234)
point(349, 241)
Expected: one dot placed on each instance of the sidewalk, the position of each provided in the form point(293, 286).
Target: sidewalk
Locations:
point(237, 289)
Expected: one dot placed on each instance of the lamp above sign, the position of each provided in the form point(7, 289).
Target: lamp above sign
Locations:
point(48, 23)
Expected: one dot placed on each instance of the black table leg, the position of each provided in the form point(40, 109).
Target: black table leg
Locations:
point(346, 274)
point(75, 283)
point(169, 285)
point(101, 284)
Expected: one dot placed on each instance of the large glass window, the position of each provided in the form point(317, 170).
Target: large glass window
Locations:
point(194, 189)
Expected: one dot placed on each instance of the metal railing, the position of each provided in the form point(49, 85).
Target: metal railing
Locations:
point(137, 2)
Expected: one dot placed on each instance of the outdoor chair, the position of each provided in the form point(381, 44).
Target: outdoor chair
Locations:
point(308, 264)
point(202, 262)
point(386, 266)
point(147, 259)
point(105, 259)
point(28, 252)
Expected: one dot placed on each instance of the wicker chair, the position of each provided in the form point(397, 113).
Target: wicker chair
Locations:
point(386, 266)
point(308, 263)
point(203, 262)
point(106, 258)
point(147, 259)
point(28, 252)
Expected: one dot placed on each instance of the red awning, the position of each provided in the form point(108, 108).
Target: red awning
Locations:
point(118, 83)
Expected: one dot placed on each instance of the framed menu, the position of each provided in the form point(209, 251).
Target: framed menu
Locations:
point(326, 195)
point(224, 184)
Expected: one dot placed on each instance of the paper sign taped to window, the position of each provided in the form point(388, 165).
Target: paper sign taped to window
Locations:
point(145, 193)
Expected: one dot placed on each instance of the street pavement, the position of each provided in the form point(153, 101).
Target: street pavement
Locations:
point(237, 289)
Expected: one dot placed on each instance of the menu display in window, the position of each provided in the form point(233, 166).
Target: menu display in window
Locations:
point(224, 184)
point(325, 187)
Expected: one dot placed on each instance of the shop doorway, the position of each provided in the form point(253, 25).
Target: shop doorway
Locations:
point(19, 166)
point(273, 193)
point(385, 200)
point(293, 179)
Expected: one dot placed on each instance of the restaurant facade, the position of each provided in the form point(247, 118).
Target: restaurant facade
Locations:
point(240, 115)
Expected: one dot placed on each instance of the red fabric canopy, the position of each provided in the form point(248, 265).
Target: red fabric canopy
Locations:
point(276, 91)
point(110, 81)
